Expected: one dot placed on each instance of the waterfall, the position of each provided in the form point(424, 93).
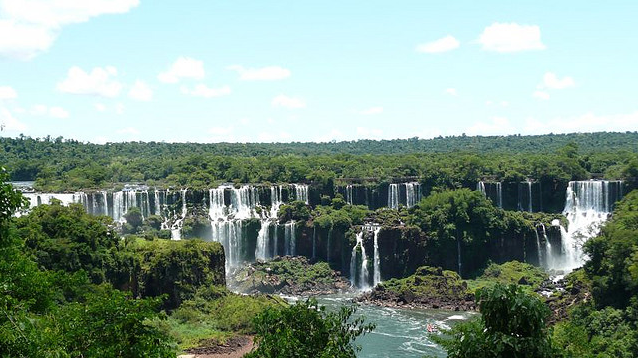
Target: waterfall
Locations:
point(393, 196)
point(157, 202)
point(548, 248)
point(412, 194)
point(119, 205)
point(230, 235)
point(290, 238)
point(588, 204)
point(529, 186)
point(349, 196)
point(538, 248)
point(363, 270)
point(275, 200)
point(262, 240)
point(499, 194)
point(377, 259)
point(458, 253)
point(176, 228)
point(314, 242)
point(301, 192)
point(275, 244)
point(480, 186)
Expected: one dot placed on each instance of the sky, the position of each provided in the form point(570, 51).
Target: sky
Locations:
point(283, 71)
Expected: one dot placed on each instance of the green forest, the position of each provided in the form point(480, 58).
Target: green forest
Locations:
point(58, 165)
point(74, 284)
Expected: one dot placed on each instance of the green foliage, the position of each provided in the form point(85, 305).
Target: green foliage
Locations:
point(512, 324)
point(307, 330)
point(510, 272)
point(67, 238)
point(215, 313)
point(429, 282)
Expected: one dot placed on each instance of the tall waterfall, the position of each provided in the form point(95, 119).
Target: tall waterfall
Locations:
point(363, 275)
point(393, 196)
point(261, 251)
point(412, 194)
point(301, 192)
point(480, 187)
point(176, 229)
point(349, 196)
point(492, 191)
point(290, 238)
point(275, 200)
point(588, 204)
point(499, 194)
point(377, 259)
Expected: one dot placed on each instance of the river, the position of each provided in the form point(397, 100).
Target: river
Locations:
point(400, 333)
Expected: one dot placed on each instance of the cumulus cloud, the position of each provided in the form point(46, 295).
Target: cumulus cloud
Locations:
point(140, 91)
point(542, 95)
point(58, 112)
point(29, 27)
point(511, 37)
point(451, 91)
point(100, 107)
point(269, 73)
point(99, 82)
point(55, 112)
point(288, 102)
point(202, 90)
point(9, 123)
point(183, 67)
point(7, 92)
point(447, 43)
point(372, 110)
point(497, 126)
point(119, 108)
point(550, 80)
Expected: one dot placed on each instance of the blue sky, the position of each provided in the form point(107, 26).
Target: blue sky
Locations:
point(263, 71)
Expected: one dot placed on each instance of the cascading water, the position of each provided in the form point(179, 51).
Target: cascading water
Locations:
point(480, 187)
point(377, 257)
point(538, 248)
point(290, 238)
point(301, 192)
point(588, 204)
point(176, 228)
point(263, 236)
point(275, 200)
point(349, 196)
point(499, 194)
point(393, 196)
point(529, 190)
point(363, 275)
point(548, 248)
point(412, 194)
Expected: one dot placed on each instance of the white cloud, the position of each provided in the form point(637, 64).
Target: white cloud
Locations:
point(128, 130)
point(288, 102)
point(141, 91)
point(119, 108)
point(541, 95)
point(451, 91)
point(269, 73)
point(100, 107)
point(372, 110)
point(266, 137)
point(58, 112)
point(505, 103)
point(55, 112)
point(550, 80)
point(7, 92)
point(511, 37)
point(99, 82)
point(497, 126)
point(444, 44)
point(202, 90)
point(29, 27)
point(183, 67)
point(586, 123)
point(9, 123)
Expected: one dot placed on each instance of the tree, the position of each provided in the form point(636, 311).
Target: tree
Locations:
point(305, 329)
point(512, 325)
